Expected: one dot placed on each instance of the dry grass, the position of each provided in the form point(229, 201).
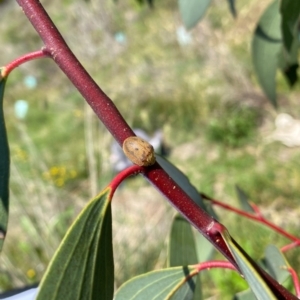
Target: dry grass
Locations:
point(137, 251)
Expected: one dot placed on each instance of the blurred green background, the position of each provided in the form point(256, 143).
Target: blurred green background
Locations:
point(204, 97)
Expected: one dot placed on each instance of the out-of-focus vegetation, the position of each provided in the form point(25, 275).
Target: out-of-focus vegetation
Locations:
point(204, 97)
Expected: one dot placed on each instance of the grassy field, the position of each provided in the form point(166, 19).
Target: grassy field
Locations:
point(204, 97)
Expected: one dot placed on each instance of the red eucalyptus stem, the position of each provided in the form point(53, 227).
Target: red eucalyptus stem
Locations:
point(207, 265)
point(295, 281)
point(57, 49)
point(21, 60)
point(290, 246)
point(256, 217)
point(120, 177)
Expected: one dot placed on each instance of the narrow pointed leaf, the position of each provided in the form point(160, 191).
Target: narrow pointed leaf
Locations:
point(198, 289)
point(252, 274)
point(288, 62)
point(174, 283)
point(209, 209)
point(291, 74)
point(185, 248)
point(266, 46)
point(150, 3)
point(4, 168)
point(290, 12)
point(276, 263)
point(82, 267)
point(192, 11)
point(244, 295)
point(232, 8)
point(182, 180)
point(256, 283)
point(243, 198)
point(182, 248)
point(205, 249)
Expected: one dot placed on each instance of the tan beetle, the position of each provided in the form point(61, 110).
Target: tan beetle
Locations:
point(139, 151)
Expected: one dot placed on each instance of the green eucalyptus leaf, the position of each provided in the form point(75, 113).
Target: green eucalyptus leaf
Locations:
point(288, 62)
point(175, 283)
point(243, 199)
point(232, 8)
point(252, 274)
point(82, 267)
point(276, 263)
point(266, 46)
point(192, 11)
point(257, 284)
point(290, 12)
point(4, 168)
point(182, 249)
point(149, 2)
point(185, 246)
point(244, 295)
point(205, 249)
point(291, 74)
point(181, 179)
